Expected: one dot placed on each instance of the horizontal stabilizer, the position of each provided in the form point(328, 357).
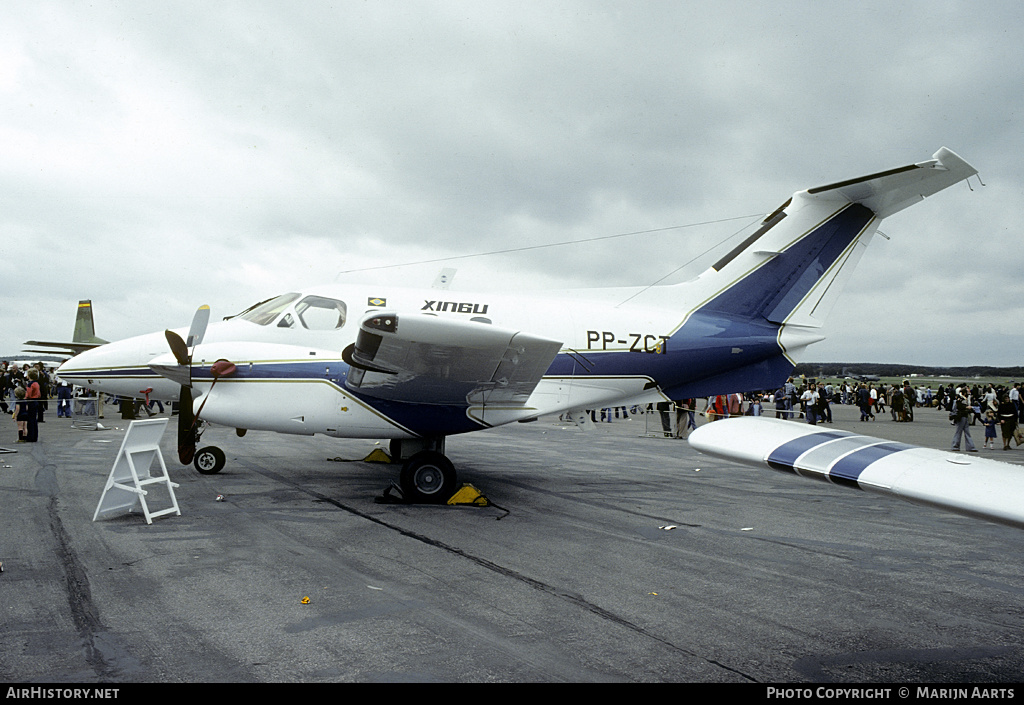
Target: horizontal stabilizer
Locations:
point(968, 485)
point(891, 191)
point(60, 348)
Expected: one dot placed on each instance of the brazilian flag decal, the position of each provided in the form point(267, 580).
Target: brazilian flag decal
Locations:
point(374, 301)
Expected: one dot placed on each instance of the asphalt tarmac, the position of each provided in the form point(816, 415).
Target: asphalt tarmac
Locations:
point(284, 568)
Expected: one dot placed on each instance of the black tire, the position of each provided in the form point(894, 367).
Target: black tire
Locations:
point(428, 478)
point(209, 460)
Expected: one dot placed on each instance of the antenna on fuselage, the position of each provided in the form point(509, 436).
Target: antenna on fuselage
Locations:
point(686, 264)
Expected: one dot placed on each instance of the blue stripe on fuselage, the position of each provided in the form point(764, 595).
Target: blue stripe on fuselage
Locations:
point(709, 344)
point(422, 419)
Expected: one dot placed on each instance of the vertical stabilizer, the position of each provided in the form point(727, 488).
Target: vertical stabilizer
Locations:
point(790, 270)
point(84, 337)
point(85, 331)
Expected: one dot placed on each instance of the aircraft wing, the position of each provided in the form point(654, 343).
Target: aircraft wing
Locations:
point(961, 483)
point(427, 359)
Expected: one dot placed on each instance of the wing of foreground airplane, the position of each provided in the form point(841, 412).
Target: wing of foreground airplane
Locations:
point(964, 484)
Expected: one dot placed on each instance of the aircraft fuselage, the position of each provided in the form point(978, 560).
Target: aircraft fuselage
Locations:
point(291, 377)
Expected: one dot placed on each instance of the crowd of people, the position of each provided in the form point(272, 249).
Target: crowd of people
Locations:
point(999, 408)
point(993, 406)
point(28, 389)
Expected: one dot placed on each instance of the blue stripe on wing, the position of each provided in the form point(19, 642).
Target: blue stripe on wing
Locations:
point(784, 457)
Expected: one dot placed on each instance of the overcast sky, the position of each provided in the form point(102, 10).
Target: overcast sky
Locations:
point(155, 156)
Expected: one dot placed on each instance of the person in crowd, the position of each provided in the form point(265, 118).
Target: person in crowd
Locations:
point(721, 407)
point(735, 402)
point(666, 420)
point(897, 409)
point(755, 405)
point(961, 416)
point(1007, 419)
point(21, 414)
point(909, 400)
point(685, 420)
point(781, 403)
point(990, 422)
point(809, 403)
point(864, 402)
point(33, 397)
point(790, 393)
point(63, 398)
point(42, 403)
point(6, 388)
point(824, 407)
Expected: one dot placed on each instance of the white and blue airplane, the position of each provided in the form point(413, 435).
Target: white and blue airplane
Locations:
point(417, 366)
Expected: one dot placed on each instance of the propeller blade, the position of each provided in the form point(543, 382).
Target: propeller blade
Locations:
point(178, 347)
point(198, 328)
point(186, 427)
point(187, 436)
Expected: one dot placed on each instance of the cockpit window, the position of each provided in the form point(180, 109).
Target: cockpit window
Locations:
point(319, 313)
point(264, 313)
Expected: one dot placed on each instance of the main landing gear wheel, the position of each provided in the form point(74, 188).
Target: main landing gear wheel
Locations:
point(428, 478)
point(209, 460)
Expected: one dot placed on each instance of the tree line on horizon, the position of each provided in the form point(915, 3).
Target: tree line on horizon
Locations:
point(881, 369)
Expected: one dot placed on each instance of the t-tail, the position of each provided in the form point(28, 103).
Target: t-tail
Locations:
point(788, 273)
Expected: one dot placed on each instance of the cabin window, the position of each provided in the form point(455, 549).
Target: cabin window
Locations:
point(320, 313)
point(264, 313)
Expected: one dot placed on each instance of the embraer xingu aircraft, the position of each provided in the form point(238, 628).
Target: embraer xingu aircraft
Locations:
point(417, 366)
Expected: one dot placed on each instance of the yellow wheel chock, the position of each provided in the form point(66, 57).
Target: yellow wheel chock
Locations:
point(467, 494)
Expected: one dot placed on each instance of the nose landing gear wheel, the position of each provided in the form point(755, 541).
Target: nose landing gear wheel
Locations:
point(428, 478)
point(209, 460)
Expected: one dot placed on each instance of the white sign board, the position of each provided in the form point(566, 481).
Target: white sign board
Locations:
point(132, 471)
